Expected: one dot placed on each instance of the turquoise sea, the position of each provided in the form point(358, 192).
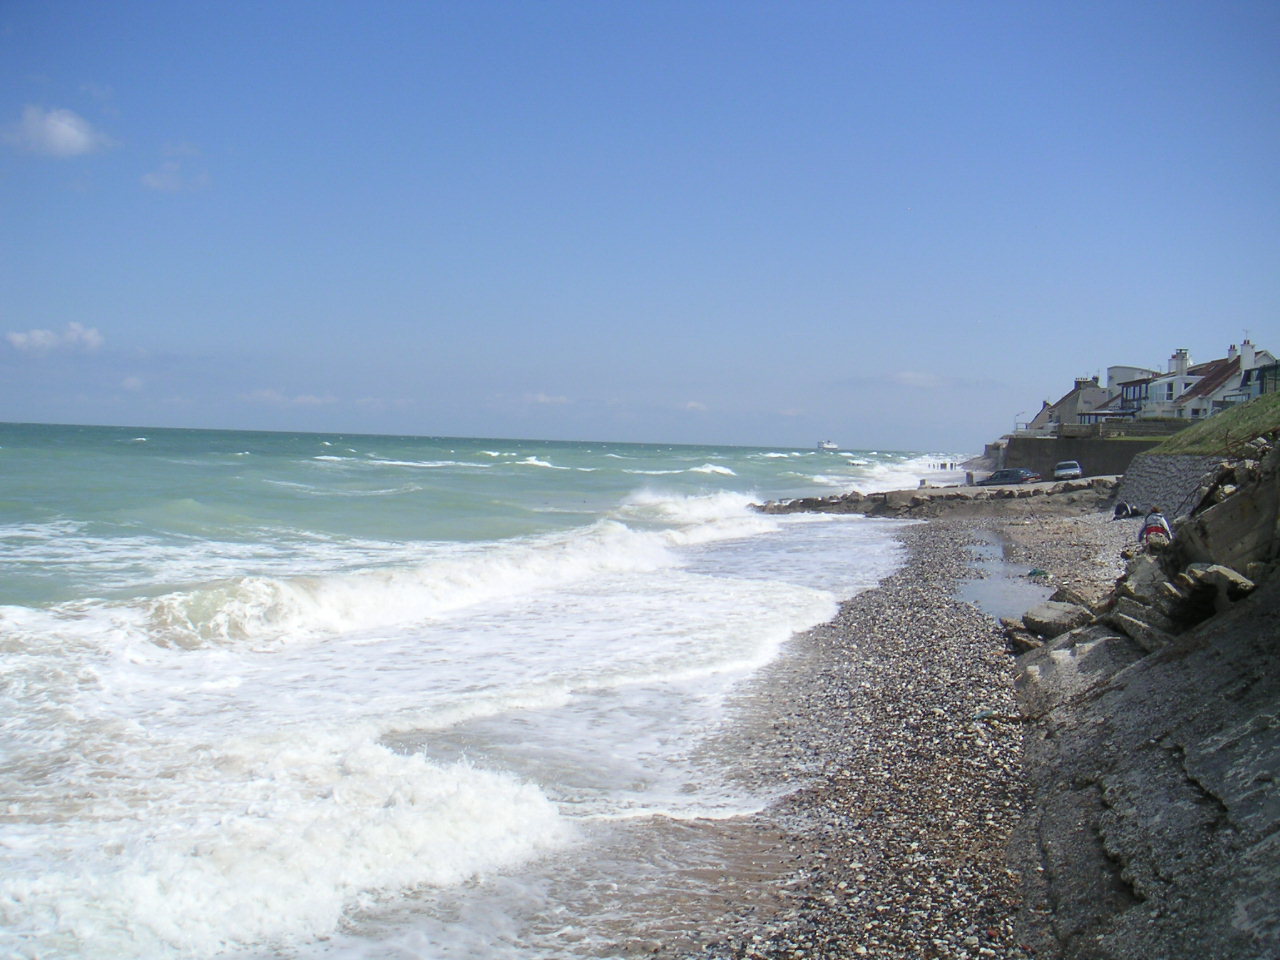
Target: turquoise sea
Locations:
point(304, 695)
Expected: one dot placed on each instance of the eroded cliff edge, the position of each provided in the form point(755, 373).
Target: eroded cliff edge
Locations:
point(1153, 747)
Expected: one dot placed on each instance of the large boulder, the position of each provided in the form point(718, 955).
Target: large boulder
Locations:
point(1052, 618)
point(1242, 529)
point(1142, 578)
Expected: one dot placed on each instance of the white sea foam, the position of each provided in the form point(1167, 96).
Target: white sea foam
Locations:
point(650, 504)
point(843, 480)
point(273, 806)
point(908, 472)
point(312, 490)
point(708, 468)
point(428, 464)
point(868, 476)
point(383, 462)
point(273, 610)
point(294, 831)
point(713, 468)
point(246, 717)
point(70, 554)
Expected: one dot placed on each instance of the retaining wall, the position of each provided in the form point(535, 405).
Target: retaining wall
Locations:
point(1166, 480)
point(1099, 457)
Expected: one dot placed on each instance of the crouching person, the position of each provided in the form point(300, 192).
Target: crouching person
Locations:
point(1155, 534)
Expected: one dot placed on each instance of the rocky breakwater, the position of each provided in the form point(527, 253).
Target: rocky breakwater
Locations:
point(1066, 496)
point(1153, 743)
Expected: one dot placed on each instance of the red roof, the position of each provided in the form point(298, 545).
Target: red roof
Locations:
point(1213, 375)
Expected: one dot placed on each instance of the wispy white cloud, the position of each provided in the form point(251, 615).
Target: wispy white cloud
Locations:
point(55, 133)
point(75, 337)
point(172, 177)
point(132, 384)
point(695, 406)
point(280, 398)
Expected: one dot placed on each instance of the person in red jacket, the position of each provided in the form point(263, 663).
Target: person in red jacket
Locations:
point(1155, 531)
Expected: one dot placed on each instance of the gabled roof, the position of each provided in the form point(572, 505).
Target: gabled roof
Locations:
point(1111, 403)
point(1213, 374)
point(1204, 369)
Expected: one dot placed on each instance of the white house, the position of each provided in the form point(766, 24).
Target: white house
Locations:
point(1196, 391)
point(1164, 390)
point(1230, 381)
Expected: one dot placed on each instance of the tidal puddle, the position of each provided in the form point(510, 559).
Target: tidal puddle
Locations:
point(1002, 589)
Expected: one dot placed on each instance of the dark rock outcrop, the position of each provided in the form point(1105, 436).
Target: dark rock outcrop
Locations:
point(1153, 749)
point(1065, 495)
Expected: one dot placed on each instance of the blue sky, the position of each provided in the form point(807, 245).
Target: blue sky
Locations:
point(896, 224)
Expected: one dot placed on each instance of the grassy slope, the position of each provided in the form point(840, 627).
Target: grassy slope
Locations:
point(1222, 434)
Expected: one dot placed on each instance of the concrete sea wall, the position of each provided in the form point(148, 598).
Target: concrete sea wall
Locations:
point(1098, 457)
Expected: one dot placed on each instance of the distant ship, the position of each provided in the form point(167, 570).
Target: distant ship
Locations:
point(827, 445)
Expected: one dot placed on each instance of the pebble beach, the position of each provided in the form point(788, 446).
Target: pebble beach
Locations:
point(897, 718)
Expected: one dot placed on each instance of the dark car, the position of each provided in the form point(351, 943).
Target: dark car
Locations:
point(1067, 470)
point(1010, 475)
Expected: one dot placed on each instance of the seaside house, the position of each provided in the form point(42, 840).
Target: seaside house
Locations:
point(1117, 408)
point(1193, 392)
point(1161, 401)
point(1254, 364)
point(1127, 388)
point(1082, 398)
point(1265, 379)
point(1185, 391)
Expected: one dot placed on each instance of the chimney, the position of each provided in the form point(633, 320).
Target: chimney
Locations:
point(1179, 362)
point(1233, 352)
point(1248, 355)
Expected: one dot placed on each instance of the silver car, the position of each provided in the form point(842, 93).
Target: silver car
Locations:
point(1067, 470)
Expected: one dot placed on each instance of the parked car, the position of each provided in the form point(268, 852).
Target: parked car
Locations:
point(1010, 475)
point(1067, 470)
